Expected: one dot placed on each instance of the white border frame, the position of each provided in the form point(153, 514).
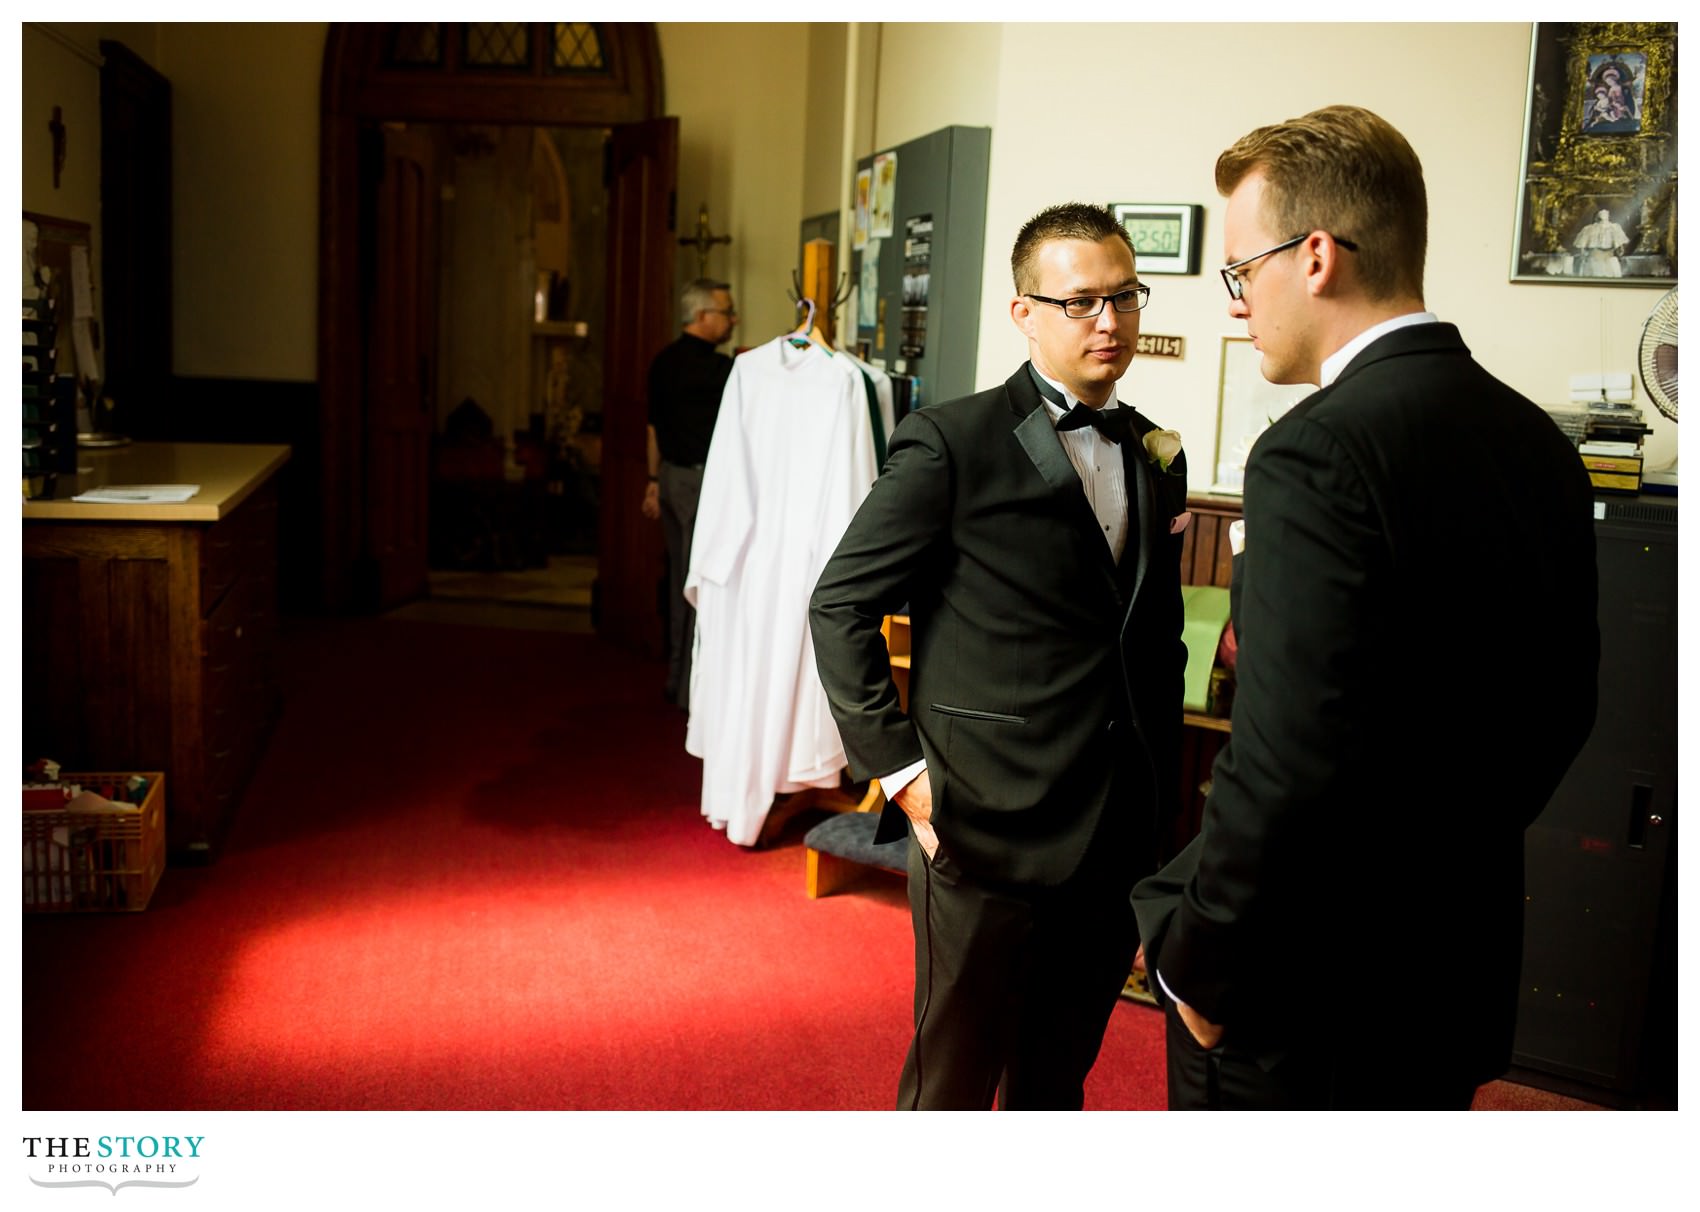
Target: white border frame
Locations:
point(1246, 405)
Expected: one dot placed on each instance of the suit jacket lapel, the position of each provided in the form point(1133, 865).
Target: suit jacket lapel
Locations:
point(1141, 508)
point(1038, 438)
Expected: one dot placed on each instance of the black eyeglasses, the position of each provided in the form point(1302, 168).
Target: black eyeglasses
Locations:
point(1084, 307)
point(1236, 283)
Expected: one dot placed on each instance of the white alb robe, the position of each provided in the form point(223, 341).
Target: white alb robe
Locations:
point(790, 461)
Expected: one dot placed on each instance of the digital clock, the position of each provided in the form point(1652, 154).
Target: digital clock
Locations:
point(1160, 234)
point(1165, 235)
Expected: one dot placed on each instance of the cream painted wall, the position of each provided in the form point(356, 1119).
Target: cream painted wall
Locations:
point(933, 75)
point(1531, 335)
point(246, 173)
point(245, 176)
point(61, 68)
point(823, 140)
point(246, 133)
point(740, 95)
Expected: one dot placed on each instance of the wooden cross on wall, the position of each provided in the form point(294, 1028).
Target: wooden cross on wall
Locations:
point(703, 241)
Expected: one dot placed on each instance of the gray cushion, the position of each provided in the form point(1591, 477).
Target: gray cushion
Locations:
point(850, 835)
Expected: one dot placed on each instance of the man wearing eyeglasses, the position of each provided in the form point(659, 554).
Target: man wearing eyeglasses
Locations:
point(1033, 532)
point(686, 380)
point(1346, 930)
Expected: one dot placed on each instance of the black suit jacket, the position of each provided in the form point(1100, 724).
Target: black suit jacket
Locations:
point(1037, 664)
point(1418, 662)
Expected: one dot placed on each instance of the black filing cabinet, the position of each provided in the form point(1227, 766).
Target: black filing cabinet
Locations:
point(1598, 1006)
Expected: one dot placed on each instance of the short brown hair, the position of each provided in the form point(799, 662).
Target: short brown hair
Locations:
point(1066, 221)
point(1348, 172)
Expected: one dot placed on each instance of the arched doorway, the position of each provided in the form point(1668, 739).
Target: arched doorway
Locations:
point(376, 308)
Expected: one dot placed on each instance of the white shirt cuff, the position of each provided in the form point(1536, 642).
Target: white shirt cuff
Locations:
point(896, 781)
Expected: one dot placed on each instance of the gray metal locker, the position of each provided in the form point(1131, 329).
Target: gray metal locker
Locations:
point(939, 211)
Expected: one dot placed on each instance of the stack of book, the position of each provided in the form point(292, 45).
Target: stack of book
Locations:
point(1613, 466)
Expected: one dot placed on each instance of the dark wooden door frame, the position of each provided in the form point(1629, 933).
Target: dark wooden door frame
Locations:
point(358, 87)
point(135, 209)
point(401, 366)
point(641, 317)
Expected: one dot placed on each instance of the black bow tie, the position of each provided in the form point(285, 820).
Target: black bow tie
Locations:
point(1113, 423)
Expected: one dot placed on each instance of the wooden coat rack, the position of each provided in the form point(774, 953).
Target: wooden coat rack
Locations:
point(818, 284)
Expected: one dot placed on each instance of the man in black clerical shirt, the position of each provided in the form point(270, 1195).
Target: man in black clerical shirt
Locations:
point(685, 382)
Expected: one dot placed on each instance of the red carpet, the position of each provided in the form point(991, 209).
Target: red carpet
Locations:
point(471, 874)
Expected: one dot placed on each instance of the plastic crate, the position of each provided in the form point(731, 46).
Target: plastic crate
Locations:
point(108, 860)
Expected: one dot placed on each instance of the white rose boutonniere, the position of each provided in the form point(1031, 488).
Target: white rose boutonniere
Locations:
point(1162, 445)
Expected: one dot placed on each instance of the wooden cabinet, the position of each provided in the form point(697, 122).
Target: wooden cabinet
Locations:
point(150, 639)
point(1206, 559)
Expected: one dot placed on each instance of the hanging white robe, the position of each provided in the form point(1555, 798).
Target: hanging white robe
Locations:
point(789, 463)
point(882, 390)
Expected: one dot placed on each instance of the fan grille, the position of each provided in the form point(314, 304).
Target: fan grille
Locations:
point(1658, 355)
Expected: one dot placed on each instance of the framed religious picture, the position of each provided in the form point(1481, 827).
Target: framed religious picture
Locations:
point(1165, 235)
point(1246, 405)
point(1596, 202)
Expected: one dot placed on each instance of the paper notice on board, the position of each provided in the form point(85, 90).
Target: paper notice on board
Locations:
point(82, 286)
point(868, 290)
point(864, 186)
point(917, 283)
point(882, 220)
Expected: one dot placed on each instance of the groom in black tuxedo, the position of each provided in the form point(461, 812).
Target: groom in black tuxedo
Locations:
point(1418, 658)
point(1033, 533)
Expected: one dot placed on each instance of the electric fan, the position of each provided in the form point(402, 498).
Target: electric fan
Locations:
point(1658, 375)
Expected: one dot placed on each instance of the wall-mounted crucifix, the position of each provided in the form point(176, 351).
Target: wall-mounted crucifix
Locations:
point(703, 241)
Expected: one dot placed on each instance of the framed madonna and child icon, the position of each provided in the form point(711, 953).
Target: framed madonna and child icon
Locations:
point(1596, 202)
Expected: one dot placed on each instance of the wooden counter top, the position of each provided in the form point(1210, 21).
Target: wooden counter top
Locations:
point(226, 472)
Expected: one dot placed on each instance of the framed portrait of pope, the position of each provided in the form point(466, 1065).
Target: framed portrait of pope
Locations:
point(1596, 200)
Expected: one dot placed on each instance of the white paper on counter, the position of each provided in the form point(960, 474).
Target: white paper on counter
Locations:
point(132, 494)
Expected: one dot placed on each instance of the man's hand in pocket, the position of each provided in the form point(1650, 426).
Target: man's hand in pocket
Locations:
point(916, 801)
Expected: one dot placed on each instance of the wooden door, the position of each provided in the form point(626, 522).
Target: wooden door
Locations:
point(643, 166)
point(401, 366)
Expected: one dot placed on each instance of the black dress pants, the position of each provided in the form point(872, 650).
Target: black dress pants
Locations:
point(1014, 986)
point(1337, 1075)
point(681, 487)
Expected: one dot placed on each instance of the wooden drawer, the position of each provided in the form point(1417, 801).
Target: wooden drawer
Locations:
point(232, 643)
point(243, 544)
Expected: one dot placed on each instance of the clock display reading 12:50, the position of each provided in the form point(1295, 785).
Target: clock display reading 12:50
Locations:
point(1165, 235)
point(1154, 233)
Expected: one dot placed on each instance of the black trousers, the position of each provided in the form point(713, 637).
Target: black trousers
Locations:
point(1014, 985)
point(680, 489)
point(1355, 1075)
